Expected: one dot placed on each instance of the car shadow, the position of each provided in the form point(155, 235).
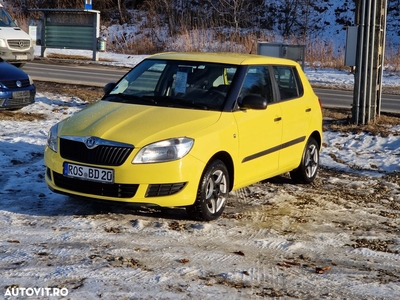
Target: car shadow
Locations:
point(280, 179)
point(286, 179)
point(89, 206)
point(49, 204)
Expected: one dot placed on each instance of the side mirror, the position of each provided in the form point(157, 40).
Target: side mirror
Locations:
point(109, 87)
point(253, 102)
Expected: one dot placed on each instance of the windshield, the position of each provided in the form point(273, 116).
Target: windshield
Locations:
point(5, 19)
point(184, 84)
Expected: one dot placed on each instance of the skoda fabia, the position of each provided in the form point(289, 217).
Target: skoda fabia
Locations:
point(185, 129)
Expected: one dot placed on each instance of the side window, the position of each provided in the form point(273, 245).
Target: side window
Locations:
point(5, 19)
point(288, 82)
point(258, 82)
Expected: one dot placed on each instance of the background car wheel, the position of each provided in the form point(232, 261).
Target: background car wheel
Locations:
point(18, 65)
point(307, 171)
point(212, 193)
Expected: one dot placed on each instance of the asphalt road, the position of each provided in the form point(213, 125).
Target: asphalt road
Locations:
point(339, 98)
point(95, 75)
point(74, 74)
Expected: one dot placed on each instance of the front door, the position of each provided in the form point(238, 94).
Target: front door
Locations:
point(259, 131)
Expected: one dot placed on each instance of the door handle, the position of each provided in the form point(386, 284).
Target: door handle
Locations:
point(308, 109)
point(277, 119)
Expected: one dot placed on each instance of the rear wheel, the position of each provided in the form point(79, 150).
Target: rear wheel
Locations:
point(307, 171)
point(212, 193)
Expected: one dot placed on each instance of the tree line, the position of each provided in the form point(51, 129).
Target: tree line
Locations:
point(301, 19)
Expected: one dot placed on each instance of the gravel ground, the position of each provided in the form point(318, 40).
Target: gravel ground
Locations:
point(338, 238)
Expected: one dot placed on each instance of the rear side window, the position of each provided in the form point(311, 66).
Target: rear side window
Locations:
point(289, 83)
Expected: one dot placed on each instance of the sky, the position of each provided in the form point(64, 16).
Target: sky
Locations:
point(53, 241)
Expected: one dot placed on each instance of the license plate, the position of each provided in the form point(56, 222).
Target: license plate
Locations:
point(88, 173)
point(20, 94)
point(21, 57)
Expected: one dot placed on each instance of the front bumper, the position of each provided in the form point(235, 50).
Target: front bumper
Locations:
point(11, 100)
point(167, 184)
point(17, 56)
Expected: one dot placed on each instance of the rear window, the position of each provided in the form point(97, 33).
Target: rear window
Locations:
point(289, 83)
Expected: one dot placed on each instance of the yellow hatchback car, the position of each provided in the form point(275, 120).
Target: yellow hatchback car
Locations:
point(185, 129)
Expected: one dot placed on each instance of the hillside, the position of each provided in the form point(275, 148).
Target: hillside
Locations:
point(236, 27)
point(148, 26)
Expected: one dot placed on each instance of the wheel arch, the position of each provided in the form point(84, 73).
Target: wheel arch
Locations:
point(227, 160)
point(318, 138)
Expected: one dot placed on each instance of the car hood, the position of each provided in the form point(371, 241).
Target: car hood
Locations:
point(134, 124)
point(14, 33)
point(10, 72)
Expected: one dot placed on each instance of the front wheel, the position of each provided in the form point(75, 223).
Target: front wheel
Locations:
point(307, 171)
point(212, 193)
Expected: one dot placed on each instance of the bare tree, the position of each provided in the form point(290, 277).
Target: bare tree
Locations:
point(121, 11)
point(235, 13)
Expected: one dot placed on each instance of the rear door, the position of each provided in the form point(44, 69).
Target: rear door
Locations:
point(296, 115)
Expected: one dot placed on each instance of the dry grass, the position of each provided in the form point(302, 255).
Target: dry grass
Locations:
point(70, 57)
point(86, 93)
point(339, 120)
point(18, 116)
point(319, 53)
point(392, 58)
point(83, 92)
point(337, 113)
point(145, 44)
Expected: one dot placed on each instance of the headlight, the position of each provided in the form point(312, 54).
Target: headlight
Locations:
point(30, 80)
point(52, 138)
point(163, 151)
point(3, 43)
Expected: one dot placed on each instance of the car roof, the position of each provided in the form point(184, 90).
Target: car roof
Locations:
point(224, 58)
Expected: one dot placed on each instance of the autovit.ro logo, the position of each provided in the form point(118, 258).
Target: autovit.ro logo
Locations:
point(36, 291)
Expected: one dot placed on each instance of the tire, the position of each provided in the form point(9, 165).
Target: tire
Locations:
point(18, 65)
point(308, 169)
point(212, 193)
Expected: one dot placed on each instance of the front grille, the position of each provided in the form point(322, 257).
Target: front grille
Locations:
point(20, 101)
point(95, 188)
point(12, 84)
point(107, 155)
point(155, 190)
point(19, 44)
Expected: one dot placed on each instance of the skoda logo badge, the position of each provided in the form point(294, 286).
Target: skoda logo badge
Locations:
point(90, 142)
point(18, 83)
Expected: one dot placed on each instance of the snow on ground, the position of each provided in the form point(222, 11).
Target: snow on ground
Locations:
point(336, 239)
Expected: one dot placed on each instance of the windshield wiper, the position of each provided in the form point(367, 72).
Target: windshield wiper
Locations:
point(134, 99)
point(128, 98)
point(182, 102)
